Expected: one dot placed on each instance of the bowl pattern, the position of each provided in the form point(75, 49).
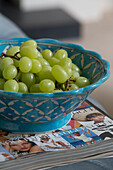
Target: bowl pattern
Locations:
point(38, 111)
point(50, 110)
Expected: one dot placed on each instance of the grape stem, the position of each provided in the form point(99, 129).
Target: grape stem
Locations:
point(16, 80)
point(15, 56)
point(64, 86)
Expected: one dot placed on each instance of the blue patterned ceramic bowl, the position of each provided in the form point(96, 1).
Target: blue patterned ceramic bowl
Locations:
point(40, 112)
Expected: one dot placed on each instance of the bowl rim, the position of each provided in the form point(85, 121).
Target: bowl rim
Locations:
point(86, 89)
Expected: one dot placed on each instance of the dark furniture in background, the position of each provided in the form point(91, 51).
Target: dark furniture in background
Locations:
point(50, 23)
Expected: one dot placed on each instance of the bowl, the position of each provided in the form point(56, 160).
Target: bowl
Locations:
point(42, 112)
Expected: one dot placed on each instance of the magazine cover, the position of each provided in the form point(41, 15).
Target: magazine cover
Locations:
point(5, 155)
point(94, 120)
point(87, 126)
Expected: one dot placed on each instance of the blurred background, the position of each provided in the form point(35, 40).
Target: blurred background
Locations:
point(85, 22)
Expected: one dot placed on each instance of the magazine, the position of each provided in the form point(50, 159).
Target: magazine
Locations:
point(89, 134)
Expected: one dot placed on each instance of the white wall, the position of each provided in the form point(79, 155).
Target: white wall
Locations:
point(83, 10)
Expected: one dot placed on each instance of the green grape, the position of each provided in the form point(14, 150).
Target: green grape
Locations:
point(47, 67)
point(35, 88)
point(68, 71)
point(59, 73)
point(66, 62)
point(6, 62)
point(37, 79)
point(47, 54)
point(29, 51)
point(25, 64)
point(82, 82)
point(0, 74)
point(75, 75)
point(43, 62)
point(73, 86)
point(36, 66)
point(40, 72)
point(29, 43)
point(47, 86)
point(46, 74)
point(13, 50)
point(63, 87)
point(56, 91)
point(39, 55)
point(2, 81)
point(28, 79)
point(76, 68)
point(0, 60)
point(61, 54)
point(53, 61)
point(22, 87)
point(18, 76)
point(11, 85)
point(10, 72)
point(16, 62)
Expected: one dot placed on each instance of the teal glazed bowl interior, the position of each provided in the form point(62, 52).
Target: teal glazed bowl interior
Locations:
point(41, 112)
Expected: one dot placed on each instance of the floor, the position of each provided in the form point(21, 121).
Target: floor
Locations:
point(98, 36)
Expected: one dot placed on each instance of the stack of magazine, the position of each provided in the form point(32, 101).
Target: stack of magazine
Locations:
point(88, 135)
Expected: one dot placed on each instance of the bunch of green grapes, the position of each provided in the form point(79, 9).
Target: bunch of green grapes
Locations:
point(24, 69)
